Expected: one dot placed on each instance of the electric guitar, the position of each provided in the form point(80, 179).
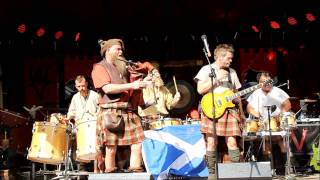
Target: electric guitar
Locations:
point(315, 159)
point(223, 101)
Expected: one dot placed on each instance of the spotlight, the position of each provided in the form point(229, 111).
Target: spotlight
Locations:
point(77, 37)
point(292, 21)
point(40, 32)
point(58, 35)
point(310, 17)
point(274, 25)
point(21, 28)
point(255, 28)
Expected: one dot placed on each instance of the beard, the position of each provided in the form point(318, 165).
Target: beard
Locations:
point(84, 93)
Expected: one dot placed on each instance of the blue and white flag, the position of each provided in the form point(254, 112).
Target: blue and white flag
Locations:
point(177, 150)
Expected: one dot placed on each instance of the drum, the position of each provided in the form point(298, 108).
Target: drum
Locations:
point(86, 138)
point(274, 124)
point(192, 121)
point(57, 118)
point(252, 126)
point(287, 120)
point(48, 144)
point(158, 124)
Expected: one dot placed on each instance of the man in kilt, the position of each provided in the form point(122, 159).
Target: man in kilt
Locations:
point(228, 125)
point(110, 78)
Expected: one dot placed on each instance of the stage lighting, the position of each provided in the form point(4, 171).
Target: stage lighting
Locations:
point(58, 35)
point(40, 32)
point(21, 28)
point(310, 17)
point(255, 28)
point(77, 37)
point(292, 21)
point(274, 25)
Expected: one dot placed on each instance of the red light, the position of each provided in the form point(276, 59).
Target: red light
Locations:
point(40, 32)
point(274, 25)
point(271, 56)
point(22, 28)
point(58, 35)
point(310, 17)
point(77, 37)
point(285, 52)
point(255, 28)
point(292, 21)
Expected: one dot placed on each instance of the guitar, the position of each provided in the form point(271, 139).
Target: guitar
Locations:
point(315, 159)
point(223, 101)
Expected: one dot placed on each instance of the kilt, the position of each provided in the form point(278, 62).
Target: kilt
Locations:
point(132, 134)
point(227, 125)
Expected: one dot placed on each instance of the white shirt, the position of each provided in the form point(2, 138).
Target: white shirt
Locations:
point(258, 100)
point(80, 105)
point(205, 71)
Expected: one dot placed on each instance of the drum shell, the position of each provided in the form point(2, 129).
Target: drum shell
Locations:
point(86, 138)
point(48, 144)
point(158, 124)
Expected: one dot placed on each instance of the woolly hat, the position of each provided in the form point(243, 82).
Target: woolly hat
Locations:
point(107, 44)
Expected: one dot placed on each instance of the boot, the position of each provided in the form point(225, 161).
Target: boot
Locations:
point(211, 161)
point(234, 155)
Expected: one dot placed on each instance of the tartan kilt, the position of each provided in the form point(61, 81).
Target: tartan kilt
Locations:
point(132, 134)
point(227, 125)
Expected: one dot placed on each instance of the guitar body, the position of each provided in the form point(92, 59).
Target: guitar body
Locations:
point(220, 103)
point(314, 160)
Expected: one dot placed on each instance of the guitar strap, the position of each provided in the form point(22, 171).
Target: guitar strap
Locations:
point(230, 80)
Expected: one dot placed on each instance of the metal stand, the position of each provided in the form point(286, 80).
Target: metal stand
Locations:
point(270, 141)
point(68, 161)
point(212, 76)
point(288, 174)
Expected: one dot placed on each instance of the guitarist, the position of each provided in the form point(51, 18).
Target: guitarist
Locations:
point(269, 96)
point(228, 125)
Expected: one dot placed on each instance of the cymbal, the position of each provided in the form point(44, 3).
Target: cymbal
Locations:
point(308, 100)
point(293, 98)
point(11, 119)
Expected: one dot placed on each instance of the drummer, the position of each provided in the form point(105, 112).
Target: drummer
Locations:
point(269, 97)
point(85, 101)
point(157, 98)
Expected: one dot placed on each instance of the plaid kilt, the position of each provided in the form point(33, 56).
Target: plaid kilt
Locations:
point(227, 125)
point(132, 134)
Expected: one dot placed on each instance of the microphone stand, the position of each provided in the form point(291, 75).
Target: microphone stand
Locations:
point(212, 76)
point(270, 141)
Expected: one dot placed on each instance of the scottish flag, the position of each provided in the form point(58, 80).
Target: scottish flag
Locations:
point(177, 150)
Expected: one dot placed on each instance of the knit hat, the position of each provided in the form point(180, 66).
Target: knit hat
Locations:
point(107, 44)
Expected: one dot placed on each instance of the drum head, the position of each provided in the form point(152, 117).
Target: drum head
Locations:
point(187, 96)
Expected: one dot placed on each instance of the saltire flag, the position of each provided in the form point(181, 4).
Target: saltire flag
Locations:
point(175, 150)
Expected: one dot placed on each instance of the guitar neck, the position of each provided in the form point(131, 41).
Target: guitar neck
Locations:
point(243, 92)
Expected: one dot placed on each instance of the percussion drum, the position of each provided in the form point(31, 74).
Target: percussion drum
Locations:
point(57, 118)
point(86, 138)
point(192, 121)
point(287, 120)
point(252, 126)
point(274, 124)
point(158, 124)
point(48, 144)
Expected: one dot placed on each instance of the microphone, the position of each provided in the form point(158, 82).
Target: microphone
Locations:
point(272, 107)
point(206, 45)
point(288, 84)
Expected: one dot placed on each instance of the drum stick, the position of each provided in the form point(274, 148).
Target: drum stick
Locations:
point(175, 83)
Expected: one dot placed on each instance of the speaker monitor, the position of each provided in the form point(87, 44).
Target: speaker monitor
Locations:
point(248, 170)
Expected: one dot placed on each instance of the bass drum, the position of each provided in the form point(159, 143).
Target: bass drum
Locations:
point(48, 143)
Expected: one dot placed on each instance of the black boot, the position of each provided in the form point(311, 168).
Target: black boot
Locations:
point(211, 161)
point(234, 155)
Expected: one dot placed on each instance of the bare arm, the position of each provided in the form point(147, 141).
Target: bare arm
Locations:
point(251, 111)
point(118, 88)
point(204, 86)
point(286, 106)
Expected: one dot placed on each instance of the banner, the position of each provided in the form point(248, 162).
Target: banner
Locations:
point(175, 150)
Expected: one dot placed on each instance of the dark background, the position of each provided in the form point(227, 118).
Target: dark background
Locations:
point(35, 70)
